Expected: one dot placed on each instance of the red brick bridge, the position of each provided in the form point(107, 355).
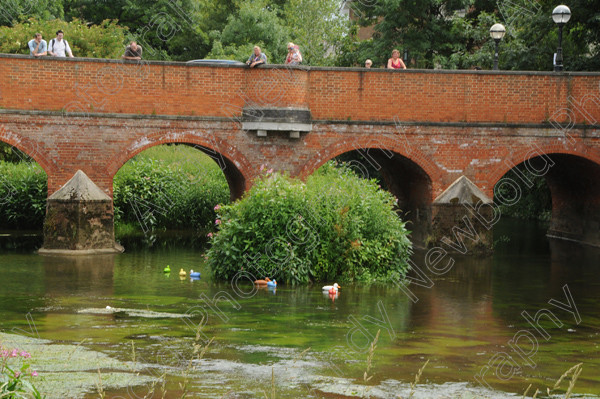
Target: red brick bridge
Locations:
point(424, 129)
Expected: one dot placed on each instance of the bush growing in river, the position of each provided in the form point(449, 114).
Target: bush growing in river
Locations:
point(336, 225)
point(23, 192)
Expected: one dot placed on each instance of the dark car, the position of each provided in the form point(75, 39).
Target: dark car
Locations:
point(220, 62)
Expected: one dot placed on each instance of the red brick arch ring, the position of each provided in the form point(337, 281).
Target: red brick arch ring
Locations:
point(30, 148)
point(518, 157)
point(390, 143)
point(237, 169)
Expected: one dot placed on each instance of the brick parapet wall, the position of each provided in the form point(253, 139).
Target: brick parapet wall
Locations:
point(355, 94)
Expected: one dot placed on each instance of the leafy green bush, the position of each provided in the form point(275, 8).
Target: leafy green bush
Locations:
point(169, 187)
point(23, 192)
point(336, 226)
point(105, 40)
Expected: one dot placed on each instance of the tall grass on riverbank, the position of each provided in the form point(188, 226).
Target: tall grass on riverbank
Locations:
point(169, 187)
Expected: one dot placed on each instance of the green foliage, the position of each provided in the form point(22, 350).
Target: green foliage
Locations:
point(437, 36)
point(423, 28)
point(433, 32)
point(23, 192)
point(14, 11)
point(15, 373)
point(534, 202)
point(254, 24)
point(475, 49)
point(8, 153)
point(99, 41)
point(164, 187)
point(171, 187)
point(318, 28)
point(315, 25)
point(336, 226)
point(166, 29)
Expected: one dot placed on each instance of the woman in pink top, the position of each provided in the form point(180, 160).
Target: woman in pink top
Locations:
point(396, 62)
point(294, 57)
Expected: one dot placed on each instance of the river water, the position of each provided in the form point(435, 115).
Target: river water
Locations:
point(298, 342)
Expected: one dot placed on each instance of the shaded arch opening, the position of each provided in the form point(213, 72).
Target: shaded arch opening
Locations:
point(174, 187)
point(563, 189)
point(404, 178)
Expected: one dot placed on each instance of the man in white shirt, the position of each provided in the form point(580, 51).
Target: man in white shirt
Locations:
point(59, 47)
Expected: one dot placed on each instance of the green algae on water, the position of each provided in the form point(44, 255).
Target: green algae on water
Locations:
point(71, 371)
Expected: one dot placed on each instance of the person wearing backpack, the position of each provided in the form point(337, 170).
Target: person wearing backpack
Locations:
point(59, 47)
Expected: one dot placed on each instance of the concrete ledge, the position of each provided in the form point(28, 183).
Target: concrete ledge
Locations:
point(277, 126)
point(270, 114)
point(117, 249)
point(303, 67)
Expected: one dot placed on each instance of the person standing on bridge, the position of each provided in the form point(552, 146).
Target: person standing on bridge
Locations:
point(59, 47)
point(38, 46)
point(396, 62)
point(256, 58)
point(294, 57)
point(133, 52)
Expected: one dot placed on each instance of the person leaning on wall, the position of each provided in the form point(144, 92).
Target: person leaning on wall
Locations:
point(256, 58)
point(133, 52)
point(38, 46)
point(396, 62)
point(59, 47)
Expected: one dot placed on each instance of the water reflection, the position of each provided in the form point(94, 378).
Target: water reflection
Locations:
point(79, 275)
point(462, 293)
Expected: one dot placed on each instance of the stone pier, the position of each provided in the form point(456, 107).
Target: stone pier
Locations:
point(79, 220)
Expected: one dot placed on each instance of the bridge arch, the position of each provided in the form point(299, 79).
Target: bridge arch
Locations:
point(235, 166)
point(409, 175)
point(518, 157)
point(366, 143)
point(29, 148)
point(573, 179)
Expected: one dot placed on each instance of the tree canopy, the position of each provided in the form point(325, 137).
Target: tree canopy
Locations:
point(429, 33)
point(455, 33)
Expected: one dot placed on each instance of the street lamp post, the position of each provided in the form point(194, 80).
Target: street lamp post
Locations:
point(561, 15)
point(497, 32)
